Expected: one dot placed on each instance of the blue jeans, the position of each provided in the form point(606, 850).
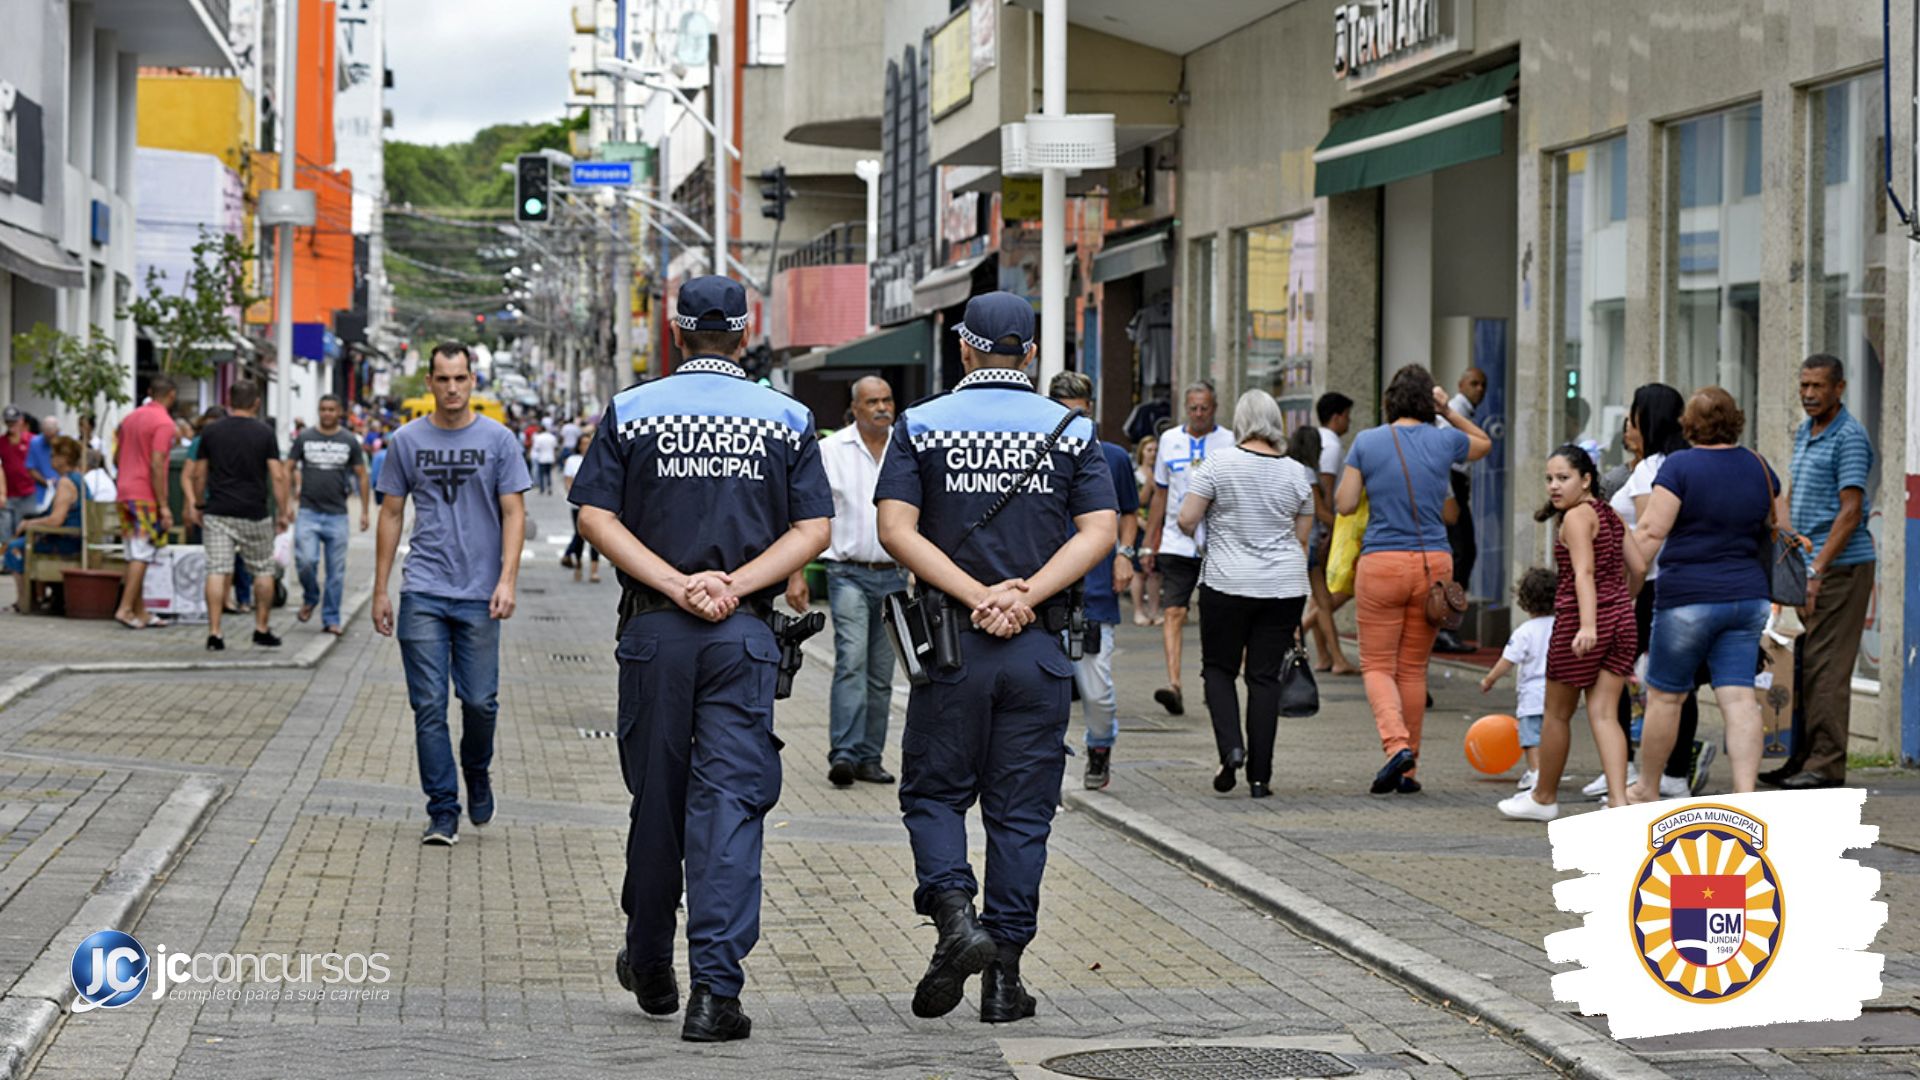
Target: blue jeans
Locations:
point(862, 693)
point(314, 532)
point(1098, 703)
point(440, 636)
point(1726, 636)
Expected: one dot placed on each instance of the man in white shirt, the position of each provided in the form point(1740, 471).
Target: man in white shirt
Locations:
point(1460, 537)
point(860, 574)
point(546, 449)
point(1177, 555)
point(1335, 411)
point(569, 438)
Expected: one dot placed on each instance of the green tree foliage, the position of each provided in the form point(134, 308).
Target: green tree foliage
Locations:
point(190, 322)
point(77, 374)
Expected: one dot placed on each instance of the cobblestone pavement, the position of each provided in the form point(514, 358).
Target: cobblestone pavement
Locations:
point(500, 948)
point(1442, 870)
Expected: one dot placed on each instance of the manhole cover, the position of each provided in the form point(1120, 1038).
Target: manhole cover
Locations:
point(1212, 1062)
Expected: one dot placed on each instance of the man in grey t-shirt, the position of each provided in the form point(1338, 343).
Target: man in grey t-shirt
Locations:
point(324, 458)
point(466, 478)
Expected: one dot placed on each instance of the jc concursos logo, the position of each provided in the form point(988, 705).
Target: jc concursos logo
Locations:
point(109, 970)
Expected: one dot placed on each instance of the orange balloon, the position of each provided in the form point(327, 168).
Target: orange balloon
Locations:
point(1493, 743)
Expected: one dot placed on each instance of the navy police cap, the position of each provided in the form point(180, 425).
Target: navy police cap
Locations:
point(992, 316)
point(712, 303)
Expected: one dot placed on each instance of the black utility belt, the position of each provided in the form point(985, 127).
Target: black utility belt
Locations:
point(1054, 616)
point(645, 600)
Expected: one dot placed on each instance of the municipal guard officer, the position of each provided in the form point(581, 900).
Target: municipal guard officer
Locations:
point(996, 526)
point(705, 490)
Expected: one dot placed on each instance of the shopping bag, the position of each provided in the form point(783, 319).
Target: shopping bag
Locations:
point(1344, 553)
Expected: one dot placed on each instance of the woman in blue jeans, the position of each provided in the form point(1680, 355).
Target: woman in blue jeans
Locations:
point(1707, 521)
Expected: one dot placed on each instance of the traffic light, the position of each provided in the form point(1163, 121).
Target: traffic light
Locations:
point(774, 189)
point(530, 200)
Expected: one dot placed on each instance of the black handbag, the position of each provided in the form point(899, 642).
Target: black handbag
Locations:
point(1299, 693)
point(1780, 554)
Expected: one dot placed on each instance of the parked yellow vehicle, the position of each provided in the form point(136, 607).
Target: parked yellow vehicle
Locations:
point(484, 404)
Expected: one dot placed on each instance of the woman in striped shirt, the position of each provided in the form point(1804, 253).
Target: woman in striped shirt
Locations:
point(1258, 508)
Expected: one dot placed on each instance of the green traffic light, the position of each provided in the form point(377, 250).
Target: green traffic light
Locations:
point(534, 206)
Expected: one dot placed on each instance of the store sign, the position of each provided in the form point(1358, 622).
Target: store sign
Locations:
point(952, 84)
point(1020, 198)
point(984, 15)
point(9, 136)
point(1374, 39)
point(891, 278)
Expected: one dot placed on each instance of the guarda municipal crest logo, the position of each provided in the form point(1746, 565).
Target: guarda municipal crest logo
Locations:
point(1707, 911)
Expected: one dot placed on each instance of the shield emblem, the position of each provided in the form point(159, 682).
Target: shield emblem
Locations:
point(1709, 917)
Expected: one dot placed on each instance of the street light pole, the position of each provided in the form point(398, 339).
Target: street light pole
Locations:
point(283, 239)
point(622, 260)
point(1053, 200)
point(723, 135)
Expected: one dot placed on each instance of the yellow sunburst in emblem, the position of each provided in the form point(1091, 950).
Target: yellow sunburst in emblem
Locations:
point(1711, 852)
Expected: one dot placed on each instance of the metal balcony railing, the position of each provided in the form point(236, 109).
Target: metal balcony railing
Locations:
point(839, 245)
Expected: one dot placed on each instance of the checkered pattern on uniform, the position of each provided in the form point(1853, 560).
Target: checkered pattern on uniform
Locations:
point(695, 425)
point(1027, 442)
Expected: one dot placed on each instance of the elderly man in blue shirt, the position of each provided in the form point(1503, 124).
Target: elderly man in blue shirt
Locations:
point(1832, 460)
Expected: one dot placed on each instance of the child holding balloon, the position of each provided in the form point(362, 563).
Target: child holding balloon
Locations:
point(1526, 653)
point(1594, 638)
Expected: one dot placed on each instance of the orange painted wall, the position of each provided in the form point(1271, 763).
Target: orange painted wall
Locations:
point(315, 119)
point(323, 255)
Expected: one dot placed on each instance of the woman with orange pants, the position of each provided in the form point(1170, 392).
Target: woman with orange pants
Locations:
point(1403, 466)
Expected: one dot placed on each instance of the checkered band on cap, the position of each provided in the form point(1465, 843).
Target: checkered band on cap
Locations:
point(735, 323)
point(1027, 442)
point(984, 344)
point(694, 425)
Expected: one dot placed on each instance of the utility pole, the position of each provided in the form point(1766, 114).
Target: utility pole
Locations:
point(622, 260)
point(283, 240)
point(1053, 201)
point(723, 135)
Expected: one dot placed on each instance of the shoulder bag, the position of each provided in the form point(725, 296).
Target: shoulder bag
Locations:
point(1299, 693)
point(1446, 600)
point(1780, 553)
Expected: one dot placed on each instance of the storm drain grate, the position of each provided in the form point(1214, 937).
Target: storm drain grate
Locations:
point(549, 618)
point(571, 658)
point(1212, 1062)
point(595, 733)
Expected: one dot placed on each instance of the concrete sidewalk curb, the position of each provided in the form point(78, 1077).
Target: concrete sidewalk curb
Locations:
point(309, 656)
point(32, 1008)
point(1565, 1043)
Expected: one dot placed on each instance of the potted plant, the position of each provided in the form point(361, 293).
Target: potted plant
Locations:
point(80, 375)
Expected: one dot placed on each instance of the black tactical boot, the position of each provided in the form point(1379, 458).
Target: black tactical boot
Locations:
point(963, 949)
point(655, 989)
point(712, 1018)
point(1002, 998)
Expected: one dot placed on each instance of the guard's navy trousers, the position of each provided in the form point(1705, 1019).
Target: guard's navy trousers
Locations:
point(993, 730)
point(701, 760)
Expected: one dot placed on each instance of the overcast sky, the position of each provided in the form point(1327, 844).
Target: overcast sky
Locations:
point(460, 65)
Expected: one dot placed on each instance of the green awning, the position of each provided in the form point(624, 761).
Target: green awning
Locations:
point(909, 344)
point(1449, 126)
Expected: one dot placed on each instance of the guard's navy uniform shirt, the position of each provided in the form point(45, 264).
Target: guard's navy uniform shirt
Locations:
point(954, 454)
point(994, 729)
point(707, 469)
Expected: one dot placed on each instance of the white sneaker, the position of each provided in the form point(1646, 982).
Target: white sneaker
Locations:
point(1674, 787)
point(1526, 782)
point(1520, 805)
point(1598, 785)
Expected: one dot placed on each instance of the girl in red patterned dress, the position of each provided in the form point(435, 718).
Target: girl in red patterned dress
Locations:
point(1594, 638)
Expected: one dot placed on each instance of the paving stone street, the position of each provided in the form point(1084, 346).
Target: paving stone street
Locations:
point(500, 948)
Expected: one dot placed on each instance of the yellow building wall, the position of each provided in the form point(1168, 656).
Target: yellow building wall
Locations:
point(198, 114)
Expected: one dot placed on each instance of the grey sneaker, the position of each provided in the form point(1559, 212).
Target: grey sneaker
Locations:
point(1099, 762)
point(1702, 767)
